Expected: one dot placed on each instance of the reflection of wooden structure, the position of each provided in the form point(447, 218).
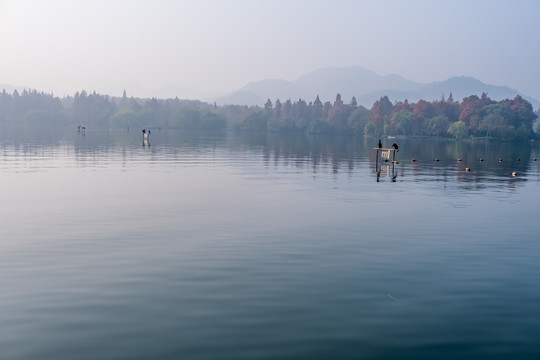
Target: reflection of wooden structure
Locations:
point(385, 154)
point(384, 170)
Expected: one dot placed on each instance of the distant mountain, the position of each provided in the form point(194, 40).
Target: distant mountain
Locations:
point(256, 93)
point(366, 86)
point(326, 83)
point(349, 82)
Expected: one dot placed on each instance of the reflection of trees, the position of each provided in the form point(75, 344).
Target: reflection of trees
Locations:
point(347, 153)
point(481, 157)
point(313, 153)
point(336, 152)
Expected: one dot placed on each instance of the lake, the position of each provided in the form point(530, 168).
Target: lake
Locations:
point(242, 246)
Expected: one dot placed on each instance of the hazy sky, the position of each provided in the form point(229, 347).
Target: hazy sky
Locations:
point(219, 46)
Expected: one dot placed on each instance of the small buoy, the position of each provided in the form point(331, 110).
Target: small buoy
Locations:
point(500, 159)
point(467, 169)
point(514, 173)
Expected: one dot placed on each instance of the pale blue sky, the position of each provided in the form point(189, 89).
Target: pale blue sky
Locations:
point(217, 45)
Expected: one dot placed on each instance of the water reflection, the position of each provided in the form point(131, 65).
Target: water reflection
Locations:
point(386, 170)
point(474, 164)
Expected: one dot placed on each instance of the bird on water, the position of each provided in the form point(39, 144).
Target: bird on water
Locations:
point(394, 145)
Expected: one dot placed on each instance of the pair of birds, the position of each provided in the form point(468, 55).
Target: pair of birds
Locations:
point(394, 145)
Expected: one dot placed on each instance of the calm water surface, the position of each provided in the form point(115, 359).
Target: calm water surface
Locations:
point(243, 246)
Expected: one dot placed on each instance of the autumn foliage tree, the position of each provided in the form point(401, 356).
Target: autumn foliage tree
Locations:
point(476, 116)
point(380, 113)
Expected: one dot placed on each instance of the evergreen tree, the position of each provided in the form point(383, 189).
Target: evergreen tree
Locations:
point(268, 107)
point(316, 109)
point(338, 101)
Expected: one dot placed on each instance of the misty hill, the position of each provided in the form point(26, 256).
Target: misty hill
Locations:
point(366, 86)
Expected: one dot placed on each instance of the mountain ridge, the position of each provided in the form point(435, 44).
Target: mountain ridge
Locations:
point(366, 86)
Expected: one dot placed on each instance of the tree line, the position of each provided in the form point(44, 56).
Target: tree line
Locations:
point(31, 108)
point(479, 116)
point(474, 116)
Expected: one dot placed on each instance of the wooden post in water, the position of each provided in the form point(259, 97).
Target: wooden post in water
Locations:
point(385, 154)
